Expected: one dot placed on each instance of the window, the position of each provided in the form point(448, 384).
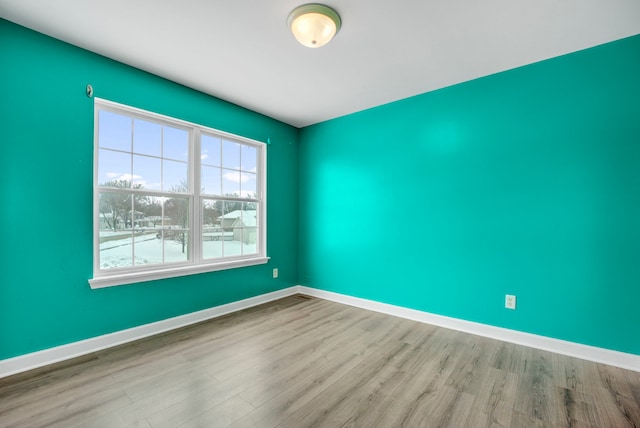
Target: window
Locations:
point(173, 198)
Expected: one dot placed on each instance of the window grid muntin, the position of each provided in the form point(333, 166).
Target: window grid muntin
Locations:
point(133, 153)
point(164, 196)
point(242, 201)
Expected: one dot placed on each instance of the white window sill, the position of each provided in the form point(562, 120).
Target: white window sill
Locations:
point(163, 273)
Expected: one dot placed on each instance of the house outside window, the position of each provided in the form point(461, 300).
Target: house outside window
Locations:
point(173, 198)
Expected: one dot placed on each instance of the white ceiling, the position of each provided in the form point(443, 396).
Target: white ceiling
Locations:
point(242, 51)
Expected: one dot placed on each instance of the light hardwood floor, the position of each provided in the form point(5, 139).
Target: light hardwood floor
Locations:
point(304, 362)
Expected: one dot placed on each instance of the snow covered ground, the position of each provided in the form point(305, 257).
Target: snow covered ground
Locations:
point(149, 250)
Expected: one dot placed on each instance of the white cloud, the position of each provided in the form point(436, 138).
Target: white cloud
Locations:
point(233, 177)
point(121, 176)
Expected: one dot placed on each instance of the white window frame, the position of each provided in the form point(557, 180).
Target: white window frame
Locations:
point(128, 275)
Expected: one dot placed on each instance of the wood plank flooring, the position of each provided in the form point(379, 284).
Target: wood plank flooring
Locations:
point(305, 362)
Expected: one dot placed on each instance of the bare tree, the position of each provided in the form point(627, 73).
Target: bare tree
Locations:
point(178, 210)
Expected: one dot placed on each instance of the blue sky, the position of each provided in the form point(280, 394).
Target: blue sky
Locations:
point(156, 156)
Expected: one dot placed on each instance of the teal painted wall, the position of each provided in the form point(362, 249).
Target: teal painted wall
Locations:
point(46, 135)
point(525, 182)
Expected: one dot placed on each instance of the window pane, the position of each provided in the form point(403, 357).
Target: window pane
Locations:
point(248, 158)
point(210, 150)
point(175, 144)
point(230, 182)
point(147, 138)
point(176, 245)
point(213, 235)
point(151, 207)
point(249, 228)
point(175, 176)
point(147, 215)
point(211, 181)
point(248, 185)
point(232, 225)
point(115, 249)
point(212, 244)
point(146, 172)
point(113, 210)
point(176, 228)
point(231, 155)
point(114, 169)
point(231, 211)
point(249, 236)
point(234, 247)
point(116, 237)
point(114, 131)
point(249, 215)
point(176, 212)
point(211, 213)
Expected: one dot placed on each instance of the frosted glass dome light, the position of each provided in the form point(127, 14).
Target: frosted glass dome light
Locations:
point(314, 25)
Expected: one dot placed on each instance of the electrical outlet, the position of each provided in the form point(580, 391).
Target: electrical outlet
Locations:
point(510, 301)
point(275, 272)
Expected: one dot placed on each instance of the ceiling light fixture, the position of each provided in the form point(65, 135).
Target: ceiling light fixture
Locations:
point(314, 25)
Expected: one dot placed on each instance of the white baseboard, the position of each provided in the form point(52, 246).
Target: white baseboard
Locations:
point(572, 349)
point(45, 357)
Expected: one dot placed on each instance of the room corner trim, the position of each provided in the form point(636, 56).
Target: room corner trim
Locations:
point(45, 357)
point(572, 349)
